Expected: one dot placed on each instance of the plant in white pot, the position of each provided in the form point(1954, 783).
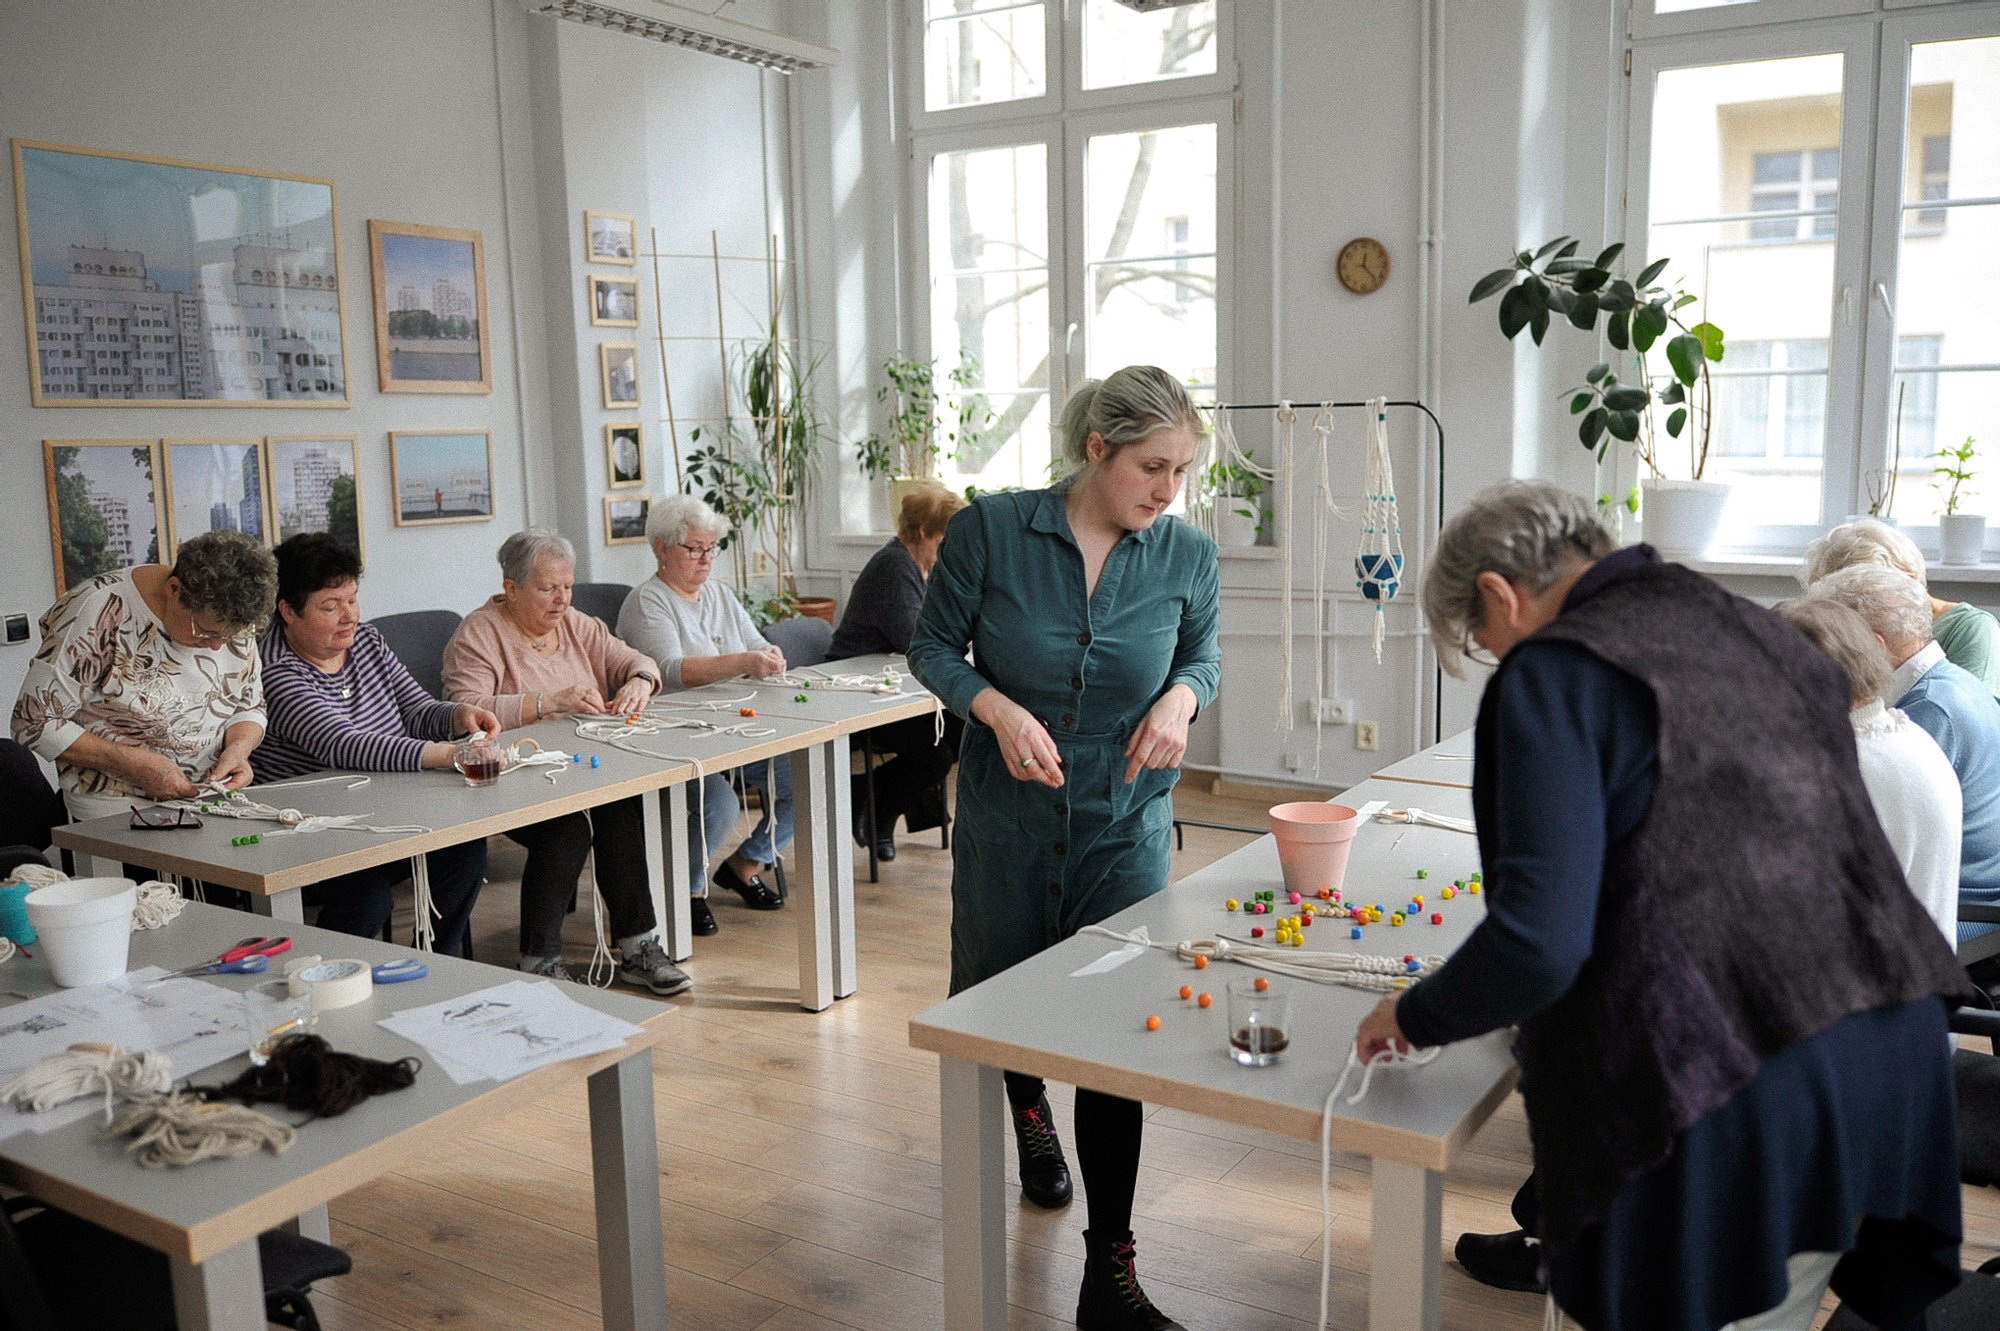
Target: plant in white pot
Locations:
point(917, 432)
point(1235, 495)
point(1681, 515)
point(1963, 535)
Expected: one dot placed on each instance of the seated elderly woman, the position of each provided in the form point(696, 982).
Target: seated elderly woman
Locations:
point(1969, 636)
point(881, 615)
point(698, 633)
point(147, 685)
point(338, 697)
point(1953, 706)
point(527, 655)
point(1909, 779)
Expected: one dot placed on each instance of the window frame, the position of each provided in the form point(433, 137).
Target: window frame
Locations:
point(1643, 23)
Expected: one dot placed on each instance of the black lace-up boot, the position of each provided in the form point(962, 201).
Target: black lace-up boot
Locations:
point(1044, 1171)
point(1111, 1298)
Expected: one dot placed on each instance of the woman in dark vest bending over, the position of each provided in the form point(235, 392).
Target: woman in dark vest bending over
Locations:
point(1732, 1044)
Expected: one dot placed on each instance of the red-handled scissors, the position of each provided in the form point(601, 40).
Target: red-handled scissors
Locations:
point(248, 957)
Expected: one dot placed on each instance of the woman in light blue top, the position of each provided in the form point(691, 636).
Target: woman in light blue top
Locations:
point(1091, 616)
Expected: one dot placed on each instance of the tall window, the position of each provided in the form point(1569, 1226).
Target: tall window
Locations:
point(1801, 179)
point(1070, 159)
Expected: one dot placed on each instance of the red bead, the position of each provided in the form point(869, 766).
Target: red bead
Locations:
point(1436, 918)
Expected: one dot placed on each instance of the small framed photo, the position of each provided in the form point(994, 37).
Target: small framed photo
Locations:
point(315, 486)
point(611, 237)
point(216, 485)
point(441, 476)
point(625, 519)
point(104, 505)
point(625, 455)
point(430, 308)
point(618, 365)
point(614, 301)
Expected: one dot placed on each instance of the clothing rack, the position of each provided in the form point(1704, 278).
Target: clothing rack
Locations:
point(1437, 428)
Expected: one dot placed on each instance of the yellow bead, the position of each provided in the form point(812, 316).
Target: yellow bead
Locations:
point(1232, 903)
point(1396, 919)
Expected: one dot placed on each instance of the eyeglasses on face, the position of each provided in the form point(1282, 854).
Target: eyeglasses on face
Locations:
point(163, 820)
point(699, 552)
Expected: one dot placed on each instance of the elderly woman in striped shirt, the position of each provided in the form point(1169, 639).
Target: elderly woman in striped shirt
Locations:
point(338, 697)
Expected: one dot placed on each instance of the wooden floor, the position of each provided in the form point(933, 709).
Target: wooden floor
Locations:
point(799, 1166)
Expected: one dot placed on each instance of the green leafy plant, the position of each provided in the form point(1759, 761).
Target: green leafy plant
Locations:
point(1551, 282)
point(919, 430)
point(1235, 489)
point(1953, 475)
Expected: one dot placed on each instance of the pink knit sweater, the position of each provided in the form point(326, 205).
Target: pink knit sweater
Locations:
point(489, 663)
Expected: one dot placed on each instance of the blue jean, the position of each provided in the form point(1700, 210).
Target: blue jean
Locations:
point(773, 780)
point(715, 810)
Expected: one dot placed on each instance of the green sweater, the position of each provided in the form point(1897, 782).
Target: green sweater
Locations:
point(1970, 637)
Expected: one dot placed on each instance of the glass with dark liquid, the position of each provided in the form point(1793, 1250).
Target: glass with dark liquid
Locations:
point(1259, 1020)
point(480, 763)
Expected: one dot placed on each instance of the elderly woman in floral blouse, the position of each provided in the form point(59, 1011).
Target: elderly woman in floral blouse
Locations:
point(147, 684)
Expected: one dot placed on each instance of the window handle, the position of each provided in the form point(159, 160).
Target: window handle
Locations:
point(1882, 295)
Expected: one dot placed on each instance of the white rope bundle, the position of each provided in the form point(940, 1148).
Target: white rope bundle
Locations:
point(1422, 819)
point(889, 683)
point(1323, 506)
point(182, 1129)
point(1378, 560)
point(426, 906)
point(624, 732)
point(159, 902)
point(1288, 466)
point(1375, 974)
point(90, 1069)
point(39, 875)
point(236, 804)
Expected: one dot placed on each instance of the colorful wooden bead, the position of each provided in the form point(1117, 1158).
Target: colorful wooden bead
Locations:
point(1437, 917)
point(1261, 984)
point(1187, 991)
point(1152, 1023)
point(1201, 963)
point(1206, 1000)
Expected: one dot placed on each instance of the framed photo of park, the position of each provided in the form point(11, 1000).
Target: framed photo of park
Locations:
point(430, 308)
point(104, 506)
point(614, 301)
point(618, 366)
point(216, 485)
point(625, 519)
point(441, 476)
point(149, 281)
point(625, 455)
point(315, 486)
point(611, 237)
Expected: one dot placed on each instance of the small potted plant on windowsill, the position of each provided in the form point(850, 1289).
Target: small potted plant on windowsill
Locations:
point(1236, 495)
point(1681, 516)
point(914, 437)
point(1963, 535)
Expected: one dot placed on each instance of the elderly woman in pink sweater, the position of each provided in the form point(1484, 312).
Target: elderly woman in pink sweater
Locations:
point(526, 655)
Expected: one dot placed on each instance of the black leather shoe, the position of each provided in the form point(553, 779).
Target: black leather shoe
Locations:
point(755, 895)
point(1504, 1261)
point(885, 851)
point(1112, 1298)
point(702, 916)
point(1044, 1172)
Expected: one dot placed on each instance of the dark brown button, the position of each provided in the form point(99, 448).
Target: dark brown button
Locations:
point(1083, 640)
point(1076, 681)
point(1061, 848)
point(1069, 720)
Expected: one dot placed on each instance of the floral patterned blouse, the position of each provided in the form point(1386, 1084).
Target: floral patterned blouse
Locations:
point(107, 666)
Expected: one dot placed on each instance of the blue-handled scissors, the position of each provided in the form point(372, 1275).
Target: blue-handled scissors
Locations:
point(248, 957)
point(395, 972)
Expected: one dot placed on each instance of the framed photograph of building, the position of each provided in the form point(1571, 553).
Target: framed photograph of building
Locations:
point(625, 455)
point(441, 476)
point(104, 505)
point(618, 365)
point(625, 519)
point(430, 308)
point(611, 237)
point(315, 485)
point(216, 485)
point(614, 301)
point(154, 282)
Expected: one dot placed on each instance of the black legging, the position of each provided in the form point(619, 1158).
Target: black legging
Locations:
point(918, 768)
point(556, 851)
point(1108, 1131)
point(359, 903)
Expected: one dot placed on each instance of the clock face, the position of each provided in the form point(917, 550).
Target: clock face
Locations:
point(1363, 266)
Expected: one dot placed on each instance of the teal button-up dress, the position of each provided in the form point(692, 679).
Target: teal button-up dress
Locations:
point(1031, 865)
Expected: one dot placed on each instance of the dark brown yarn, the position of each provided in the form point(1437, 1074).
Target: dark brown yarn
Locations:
point(306, 1074)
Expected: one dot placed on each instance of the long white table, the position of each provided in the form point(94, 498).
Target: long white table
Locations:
point(1445, 763)
point(1040, 1018)
point(206, 1217)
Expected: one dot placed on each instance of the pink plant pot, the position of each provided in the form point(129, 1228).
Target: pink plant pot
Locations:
point(1314, 839)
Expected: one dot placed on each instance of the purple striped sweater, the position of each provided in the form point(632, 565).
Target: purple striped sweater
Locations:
point(369, 716)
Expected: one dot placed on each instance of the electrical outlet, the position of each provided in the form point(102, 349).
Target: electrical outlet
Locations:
point(1329, 711)
point(760, 563)
point(1290, 762)
point(1365, 736)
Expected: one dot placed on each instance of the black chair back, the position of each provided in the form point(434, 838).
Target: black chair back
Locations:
point(418, 639)
point(804, 640)
point(30, 808)
point(602, 599)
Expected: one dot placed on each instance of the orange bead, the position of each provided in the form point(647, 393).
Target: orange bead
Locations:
point(1201, 963)
point(746, 711)
point(1263, 983)
point(1152, 1023)
point(1205, 1000)
point(1187, 991)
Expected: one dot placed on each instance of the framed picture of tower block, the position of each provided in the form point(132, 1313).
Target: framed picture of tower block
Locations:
point(315, 486)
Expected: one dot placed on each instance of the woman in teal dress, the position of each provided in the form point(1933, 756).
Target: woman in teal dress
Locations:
point(1091, 616)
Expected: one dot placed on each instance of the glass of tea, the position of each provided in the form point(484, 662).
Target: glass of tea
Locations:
point(1259, 1021)
point(479, 762)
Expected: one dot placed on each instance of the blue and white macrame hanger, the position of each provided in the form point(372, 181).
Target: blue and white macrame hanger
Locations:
point(1378, 563)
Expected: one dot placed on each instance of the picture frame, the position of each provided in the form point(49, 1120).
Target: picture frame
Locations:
point(610, 237)
point(625, 455)
point(614, 301)
point(441, 476)
point(618, 370)
point(217, 276)
point(316, 486)
point(431, 334)
point(625, 519)
point(105, 506)
point(216, 485)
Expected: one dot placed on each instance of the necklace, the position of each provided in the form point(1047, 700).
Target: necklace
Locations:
point(535, 644)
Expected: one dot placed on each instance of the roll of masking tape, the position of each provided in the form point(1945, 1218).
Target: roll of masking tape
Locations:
point(293, 965)
point(333, 984)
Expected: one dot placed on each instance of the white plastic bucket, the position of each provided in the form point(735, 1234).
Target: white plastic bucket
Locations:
point(85, 926)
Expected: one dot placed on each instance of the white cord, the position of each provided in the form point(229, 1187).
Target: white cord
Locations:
point(1288, 463)
point(1355, 970)
point(159, 904)
point(1422, 819)
point(1390, 1057)
point(1322, 506)
point(236, 804)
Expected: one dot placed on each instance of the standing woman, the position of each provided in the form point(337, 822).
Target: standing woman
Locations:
point(1092, 621)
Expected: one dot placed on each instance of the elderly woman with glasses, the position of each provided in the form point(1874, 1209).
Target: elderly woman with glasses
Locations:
point(147, 684)
point(528, 655)
point(1694, 918)
point(698, 632)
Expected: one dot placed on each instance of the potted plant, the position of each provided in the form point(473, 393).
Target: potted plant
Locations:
point(1235, 496)
point(916, 434)
point(1963, 535)
point(1681, 515)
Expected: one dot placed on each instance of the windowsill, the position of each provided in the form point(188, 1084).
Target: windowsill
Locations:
point(1787, 566)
